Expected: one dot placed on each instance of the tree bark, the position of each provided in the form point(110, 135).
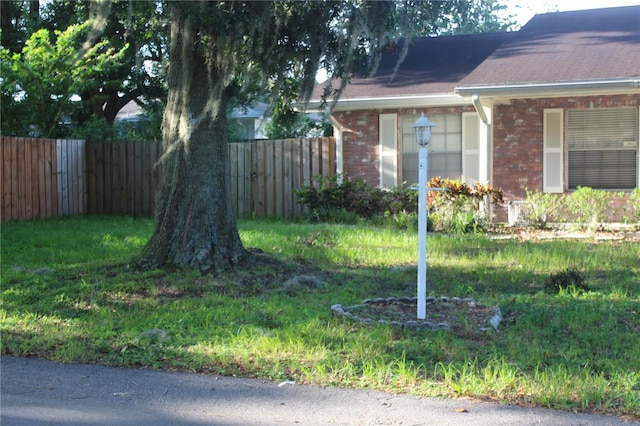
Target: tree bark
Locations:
point(195, 223)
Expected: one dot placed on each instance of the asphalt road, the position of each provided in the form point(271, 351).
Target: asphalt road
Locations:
point(36, 392)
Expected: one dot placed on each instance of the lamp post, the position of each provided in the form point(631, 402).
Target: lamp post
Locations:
point(422, 128)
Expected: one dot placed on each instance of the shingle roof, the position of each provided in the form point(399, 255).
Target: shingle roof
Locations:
point(557, 47)
point(434, 65)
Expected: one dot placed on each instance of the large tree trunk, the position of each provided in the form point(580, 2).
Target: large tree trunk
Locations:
point(195, 224)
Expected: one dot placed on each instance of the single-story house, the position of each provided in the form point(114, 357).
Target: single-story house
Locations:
point(550, 107)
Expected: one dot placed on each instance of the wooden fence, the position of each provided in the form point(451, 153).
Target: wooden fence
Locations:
point(45, 177)
point(70, 175)
point(121, 177)
point(29, 179)
point(282, 166)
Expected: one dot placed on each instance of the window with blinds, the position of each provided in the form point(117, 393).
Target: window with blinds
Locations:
point(602, 148)
point(445, 148)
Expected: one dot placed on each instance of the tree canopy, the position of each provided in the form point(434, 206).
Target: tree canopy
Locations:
point(38, 83)
point(138, 31)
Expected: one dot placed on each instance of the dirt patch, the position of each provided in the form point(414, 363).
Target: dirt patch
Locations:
point(460, 316)
point(598, 235)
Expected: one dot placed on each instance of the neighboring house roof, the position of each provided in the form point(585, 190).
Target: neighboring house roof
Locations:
point(131, 112)
point(565, 50)
point(256, 111)
point(433, 66)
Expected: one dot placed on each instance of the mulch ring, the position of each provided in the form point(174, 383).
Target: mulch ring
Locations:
point(461, 316)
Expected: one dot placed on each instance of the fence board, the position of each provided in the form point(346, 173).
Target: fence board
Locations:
point(306, 162)
point(67, 176)
point(68, 183)
point(119, 174)
point(4, 175)
point(34, 201)
point(247, 180)
point(21, 207)
point(100, 183)
point(15, 174)
point(296, 176)
point(40, 161)
point(270, 177)
point(145, 183)
point(137, 184)
point(287, 186)
point(80, 188)
point(258, 175)
point(242, 169)
point(130, 179)
point(154, 156)
point(15, 194)
point(316, 152)
point(51, 166)
point(239, 170)
point(232, 154)
point(90, 176)
point(107, 176)
point(61, 175)
point(325, 160)
point(278, 171)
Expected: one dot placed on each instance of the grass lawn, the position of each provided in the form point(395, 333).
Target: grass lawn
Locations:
point(71, 293)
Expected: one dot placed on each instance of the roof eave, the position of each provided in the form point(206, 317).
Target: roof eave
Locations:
point(409, 101)
point(571, 88)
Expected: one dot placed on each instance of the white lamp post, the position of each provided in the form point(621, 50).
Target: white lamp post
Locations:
point(422, 128)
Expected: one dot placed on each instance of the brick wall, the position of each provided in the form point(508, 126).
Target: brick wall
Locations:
point(517, 139)
point(360, 138)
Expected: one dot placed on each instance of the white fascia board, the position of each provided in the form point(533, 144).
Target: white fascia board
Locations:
point(412, 101)
point(572, 88)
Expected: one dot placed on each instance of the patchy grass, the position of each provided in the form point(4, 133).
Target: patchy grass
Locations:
point(71, 293)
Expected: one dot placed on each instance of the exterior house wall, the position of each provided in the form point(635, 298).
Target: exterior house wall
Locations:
point(518, 140)
point(360, 140)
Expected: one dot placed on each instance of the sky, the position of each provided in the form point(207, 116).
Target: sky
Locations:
point(524, 10)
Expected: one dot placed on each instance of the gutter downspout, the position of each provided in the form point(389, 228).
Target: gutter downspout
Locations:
point(477, 104)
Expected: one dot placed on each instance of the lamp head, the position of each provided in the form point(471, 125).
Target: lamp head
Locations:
point(422, 128)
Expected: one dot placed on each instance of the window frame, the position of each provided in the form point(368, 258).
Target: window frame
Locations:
point(408, 136)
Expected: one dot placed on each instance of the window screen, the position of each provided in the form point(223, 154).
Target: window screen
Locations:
point(603, 148)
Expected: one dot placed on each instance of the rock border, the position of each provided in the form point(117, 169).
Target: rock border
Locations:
point(418, 325)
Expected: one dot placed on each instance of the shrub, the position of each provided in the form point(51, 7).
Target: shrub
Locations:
point(632, 210)
point(590, 207)
point(333, 201)
point(541, 208)
point(457, 209)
